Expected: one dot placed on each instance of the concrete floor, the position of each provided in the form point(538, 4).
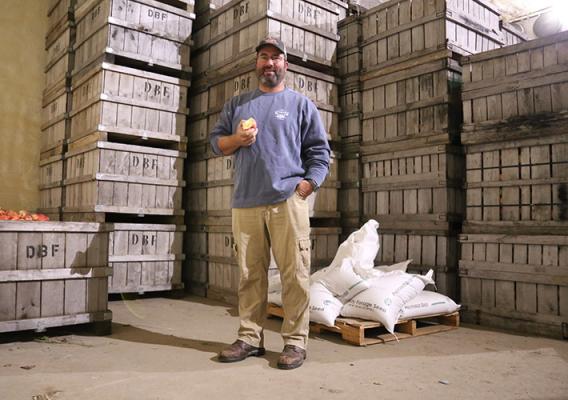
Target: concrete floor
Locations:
point(166, 349)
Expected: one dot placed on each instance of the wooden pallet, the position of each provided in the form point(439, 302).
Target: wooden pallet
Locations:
point(363, 333)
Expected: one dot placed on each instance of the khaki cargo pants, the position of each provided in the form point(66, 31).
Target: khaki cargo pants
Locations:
point(285, 227)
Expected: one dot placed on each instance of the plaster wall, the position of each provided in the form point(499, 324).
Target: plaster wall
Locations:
point(23, 25)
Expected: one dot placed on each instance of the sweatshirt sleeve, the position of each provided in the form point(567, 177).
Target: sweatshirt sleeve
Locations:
point(315, 147)
point(223, 127)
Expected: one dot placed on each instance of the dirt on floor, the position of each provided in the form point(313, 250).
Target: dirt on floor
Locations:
point(163, 348)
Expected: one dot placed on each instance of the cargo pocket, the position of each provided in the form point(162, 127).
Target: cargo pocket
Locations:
point(304, 248)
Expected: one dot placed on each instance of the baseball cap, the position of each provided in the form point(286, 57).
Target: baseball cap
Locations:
point(273, 41)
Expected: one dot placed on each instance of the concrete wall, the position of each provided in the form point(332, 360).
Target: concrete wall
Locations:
point(23, 25)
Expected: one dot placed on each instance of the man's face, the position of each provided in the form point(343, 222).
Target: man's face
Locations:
point(270, 66)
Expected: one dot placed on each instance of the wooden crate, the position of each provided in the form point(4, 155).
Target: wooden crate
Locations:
point(56, 93)
point(59, 13)
point(223, 281)
point(350, 102)
point(524, 80)
point(51, 186)
point(194, 276)
point(309, 30)
point(516, 282)
point(350, 127)
point(350, 96)
point(53, 274)
point(59, 60)
point(107, 177)
point(55, 119)
point(363, 333)
point(427, 250)
point(400, 30)
point(210, 189)
point(412, 100)
point(147, 31)
point(210, 94)
point(134, 105)
point(511, 34)
point(414, 189)
point(349, 198)
point(520, 182)
point(349, 55)
point(145, 257)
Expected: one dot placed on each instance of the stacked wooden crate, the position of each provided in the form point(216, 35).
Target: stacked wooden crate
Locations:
point(126, 144)
point(411, 161)
point(223, 62)
point(56, 102)
point(349, 72)
point(514, 246)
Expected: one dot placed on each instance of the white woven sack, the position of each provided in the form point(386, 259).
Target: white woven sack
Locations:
point(380, 270)
point(324, 307)
point(274, 283)
point(401, 266)
point(428, 303)
point(386, 297)
point(342, 281)
point(275, 298)
point(361, 246)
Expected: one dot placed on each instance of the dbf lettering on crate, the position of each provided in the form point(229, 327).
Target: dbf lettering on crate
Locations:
point(146, 239)
point(240, 10)
point(41, 250)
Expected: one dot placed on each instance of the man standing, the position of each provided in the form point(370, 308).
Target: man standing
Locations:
point(279, 161)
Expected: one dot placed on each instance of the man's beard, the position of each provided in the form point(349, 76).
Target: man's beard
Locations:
point(273, 80)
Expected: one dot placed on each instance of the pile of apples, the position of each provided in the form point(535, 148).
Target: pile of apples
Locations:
point(22, 215)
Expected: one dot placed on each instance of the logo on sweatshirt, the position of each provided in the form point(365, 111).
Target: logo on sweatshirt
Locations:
point(281, 114)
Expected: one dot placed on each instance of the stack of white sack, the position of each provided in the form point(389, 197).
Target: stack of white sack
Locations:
point(352, 286)
point(386, 297)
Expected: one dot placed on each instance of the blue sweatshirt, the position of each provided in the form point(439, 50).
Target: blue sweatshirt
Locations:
point(291, 145)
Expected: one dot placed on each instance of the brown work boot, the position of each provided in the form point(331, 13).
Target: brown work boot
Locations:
point(291, 357)
point(238, 351)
